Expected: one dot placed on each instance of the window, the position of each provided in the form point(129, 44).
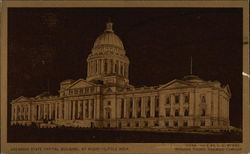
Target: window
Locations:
point(175, 123)
point(71, 92)
point(186, 98)
point(137, 124)
point(166, 123)
point(202, 123)
point(108, 115)
point(138, 114)
point(186, 112)
point(156, 123)
point(148, 114)
point(108, 103)
point(177, 99)
point(130, 114)
point(167, 112)
point(128, 124)
point(176, 113)
point(185, 124)
point(203, 112)
point(156, 114)
point(203, 99)
point(156, 102)
point(146, 124)
point(168, 100)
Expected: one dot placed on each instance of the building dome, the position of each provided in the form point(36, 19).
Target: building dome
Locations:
point(108, 38)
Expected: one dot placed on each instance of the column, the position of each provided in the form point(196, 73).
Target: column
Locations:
point(98, 100)
point(209, 102)
point(39, 112)
point(73, 111)
point(44, 111)
point(114, 62)
point(15, 112)
point(108, 66)
point(181, 104)
point(60, 110)
point(152, 106)
point(102, 64)
point(29, 113)
point(143, 107)
point(191, 103)
point(56, 106)
point(50, 110)
point(172, 102)
point(79, 109)
point(134, 108)
point(98, 66)
point(65, 110)
point(69, 109)
point(123, 70)
point(162, 100)
point(119, 68)
point(197, 104)
point(83, 109)
point(125, 108)
point(90, 108)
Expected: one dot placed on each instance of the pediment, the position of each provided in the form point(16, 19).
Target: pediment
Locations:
point(21, 99)
point(175, 84)
point(81, 83)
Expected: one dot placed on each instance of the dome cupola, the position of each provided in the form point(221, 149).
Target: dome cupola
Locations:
point(108, 38)
point(107, 60)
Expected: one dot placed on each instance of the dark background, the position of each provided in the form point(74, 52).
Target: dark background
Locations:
point(51, 45)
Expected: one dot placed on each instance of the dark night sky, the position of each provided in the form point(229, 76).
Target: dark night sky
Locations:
point(54, 43)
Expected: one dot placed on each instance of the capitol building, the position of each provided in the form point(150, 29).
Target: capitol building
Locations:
point(106, 99)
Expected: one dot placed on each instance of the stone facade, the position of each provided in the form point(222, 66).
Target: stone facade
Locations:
point(106, 99)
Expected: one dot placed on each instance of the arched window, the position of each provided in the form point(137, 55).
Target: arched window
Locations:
point(186, 112)
point(176, 113)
